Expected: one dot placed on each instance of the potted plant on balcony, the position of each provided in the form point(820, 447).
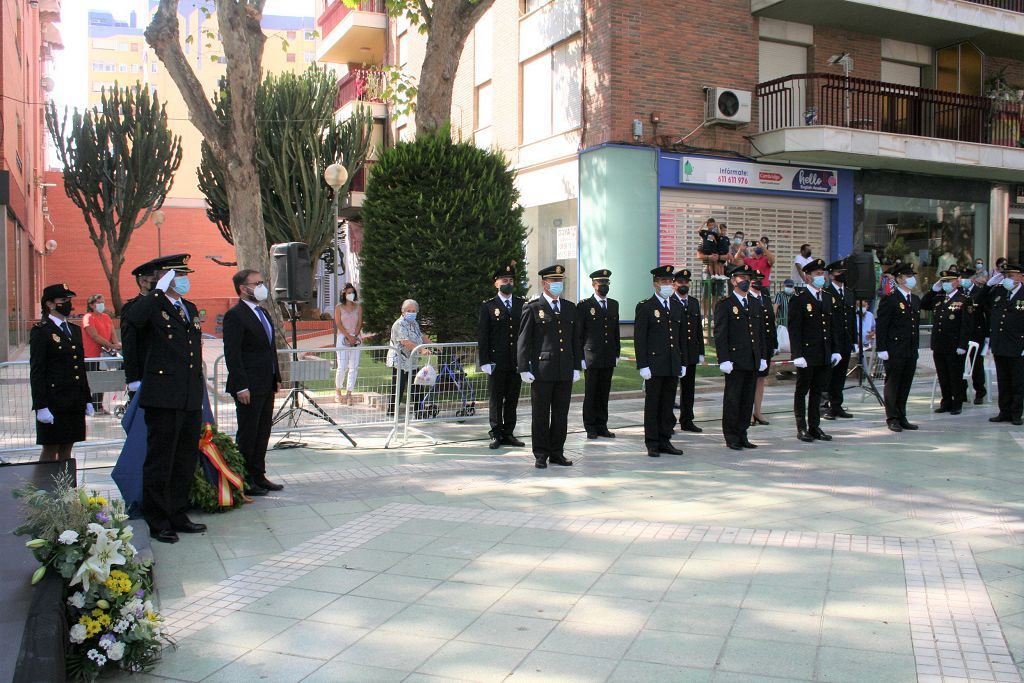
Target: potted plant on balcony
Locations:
point(1006, 114)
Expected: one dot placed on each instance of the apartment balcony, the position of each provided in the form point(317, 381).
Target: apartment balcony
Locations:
point(353, 36)
point(830, 119)
point(994, 26)
point(360, 88)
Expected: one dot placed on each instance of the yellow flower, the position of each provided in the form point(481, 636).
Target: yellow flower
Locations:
point(119, 582)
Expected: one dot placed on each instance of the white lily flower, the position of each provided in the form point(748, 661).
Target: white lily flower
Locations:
point(103, 553)
point(69, 537)
point(77, 600)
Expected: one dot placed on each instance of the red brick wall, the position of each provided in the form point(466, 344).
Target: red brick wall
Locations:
point(866, 52)
point(76, 261)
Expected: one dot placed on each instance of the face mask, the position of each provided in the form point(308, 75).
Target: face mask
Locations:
point(63, 308)
point(737, 240)
point(1008, 284)
point(683, 290)
point(788, 290)
point(839, 277)
point(351, 296)
point(260, 293)
point(556, 289)
point(965, 283)
point(602, 290)
point(410, 316)
point(947, 287)
point(759, 251)
point(818, 281)
point(743, 285)
point(182, 285)
point(665, 291)
point(505, 289)
point(100, 307)
point(911, 282)
point(979, 265)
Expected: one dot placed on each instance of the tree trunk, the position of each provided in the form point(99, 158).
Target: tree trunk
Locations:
point(114, 279)
point(449, 25)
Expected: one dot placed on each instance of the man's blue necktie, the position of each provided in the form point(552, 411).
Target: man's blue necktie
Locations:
point(266, 324)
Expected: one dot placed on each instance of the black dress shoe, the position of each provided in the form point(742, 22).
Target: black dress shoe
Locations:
point(820, 435)
point(942, 409)
point(908, 425)
point(494, 444)
point(269, 485)
point(670, 449)
point(190, 528)
point(591, 435)
point(560, 460)
point(653, 453)
point(690, 427)
point(540, 464)
point(804, 435)
point(165, 536)
point(735, 446)
point(979, 398)
point(761, 421)
point(894, 425)
point(955, 411)
point(606, 434)
point(747, 444)
point(999, 418)
point(1017, 421)
point(827, 416)
point(512, 441)
point(842, 413)
point(254, 489)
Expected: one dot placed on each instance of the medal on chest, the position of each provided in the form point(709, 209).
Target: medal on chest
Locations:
point(497, 312)
point(810, 308)
point(903, 306)
point(164, 314)
point(657, 313)
point(540, 314)
point(593, 311)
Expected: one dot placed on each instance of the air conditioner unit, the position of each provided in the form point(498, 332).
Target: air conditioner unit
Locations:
point(727, 107)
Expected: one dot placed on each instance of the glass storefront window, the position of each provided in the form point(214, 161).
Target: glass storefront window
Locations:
point(931, 234)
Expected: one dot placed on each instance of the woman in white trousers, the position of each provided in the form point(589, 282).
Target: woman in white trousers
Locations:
point(348, 318)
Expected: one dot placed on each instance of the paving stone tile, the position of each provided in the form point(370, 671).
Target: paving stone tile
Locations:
point(866, 635)
point(261, 665)
point(862, 606)
point(294, 603)
point(716, 620)
point(706, 592)
point(428, 566)
point(622, 611)
point(768, 658)
point(646, 672)
point(352, 610)
point(465, 661)
point(195, 658)
point(316, 640)
point(402, 651)
point(543, 667)
point(333, 579)
point(590, 639)
point(840, 665)
point(679, 649)
point(527, 602)
point(243, 629)
point(393, 587)
point(559, 580)
point(465, 548)
point(784, 599)
point(507, 630)
point(782, 626)
point(647, 565)
point(337, 670)
point(465, 595)
point(367, 559)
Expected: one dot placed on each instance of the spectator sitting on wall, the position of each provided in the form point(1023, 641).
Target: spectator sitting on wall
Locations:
point(707, 252)
point(737, 250)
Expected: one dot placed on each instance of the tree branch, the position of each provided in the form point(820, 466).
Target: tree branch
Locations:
point(426, 13)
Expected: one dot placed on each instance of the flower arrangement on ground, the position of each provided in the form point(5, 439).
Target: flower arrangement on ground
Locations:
point(219, 481)
point(86, 540)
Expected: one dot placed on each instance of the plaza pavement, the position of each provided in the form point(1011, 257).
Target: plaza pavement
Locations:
point(876, 557)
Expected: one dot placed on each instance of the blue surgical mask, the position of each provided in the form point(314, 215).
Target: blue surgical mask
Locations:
point(736, 240)
point(759, 251)
point(911, 282)
point(182, 285)
point(965, 283)
point(947, 287)
point(666, 291)
point(1009, 284)
point(556, 289)
point(979, 265)
point(410, 316)
point(100, 307)
point(743, 285)
point(788, 290)
point(818, 281)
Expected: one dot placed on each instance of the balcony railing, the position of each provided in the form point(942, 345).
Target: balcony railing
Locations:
point(820, 99)
point(364, 85)
point(1010, 5)
point(337, 11)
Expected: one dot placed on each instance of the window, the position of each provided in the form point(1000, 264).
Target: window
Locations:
point(152, 67)
point(134, 47)
point(291, 35)
point(483, 48)
point(17, 30)
point(401, 133)
point(122, 47)
point(901, 74)
point(960, 69)
point(552, 93)
point(291, 57)
point(403, 49)
point(309, 57)
point(123, 68)
point(530, 5)
point(484, 106)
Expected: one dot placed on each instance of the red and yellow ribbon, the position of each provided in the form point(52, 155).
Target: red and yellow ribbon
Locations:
point(227, 477)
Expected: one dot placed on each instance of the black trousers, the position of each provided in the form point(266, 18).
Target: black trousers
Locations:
point(899, 375)
point(172, 452)
point(550, 418)
point(416, 395)
point(503, 387)
point(949, 368)
point(659, 395)
point(1010, 377)
point(597, 383)
point(978, 375)
point(687, 387)
point(738, 405)
point(810, 382)
point(836, 384)
point(254, 423)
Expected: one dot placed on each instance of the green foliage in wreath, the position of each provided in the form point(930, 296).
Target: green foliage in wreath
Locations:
point(203, 495)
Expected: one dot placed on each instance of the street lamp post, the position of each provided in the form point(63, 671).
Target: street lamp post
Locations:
point(158, 220)
point(336, 176)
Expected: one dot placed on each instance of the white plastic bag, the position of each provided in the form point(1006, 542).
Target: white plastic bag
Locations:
point(783, 335)
point(426, 376)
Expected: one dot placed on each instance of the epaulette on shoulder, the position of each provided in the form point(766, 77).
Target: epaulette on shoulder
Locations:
point(40, 323)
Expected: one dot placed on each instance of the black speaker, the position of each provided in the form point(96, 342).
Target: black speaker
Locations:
point(860, 275)
point(291, 276)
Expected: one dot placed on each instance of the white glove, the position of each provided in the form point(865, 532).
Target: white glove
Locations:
point(583, 363)
point(682, 371)
point(617, 361)
point(700, 359)
point(487, 368)
point(165, 282)
point(89, 409)
point(45, 416)
point(984, 348)
point(937, 287)
point(800, 362)
point(961, 352)
point(645, 373)
point(134, 386)
point(883, 355)
point(575, 375)
point(725, 367)
point(527, 377)
point(836, 357)
point(763, 366)
point(995, 279)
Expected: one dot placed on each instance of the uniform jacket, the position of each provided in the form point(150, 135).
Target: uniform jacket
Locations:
point(170, 351)
point(251, 358)
point(125, 307)
point(738, 335)
point(844, 318)
point(497, 332)
point(57, 368)
point(978, 308)
point(656, 334)
point(952, 320)
point(897, 329)
point(547, 342)
point(810, 327)
point(691, 337)
point(598, 333)
point(1006, 332)
point(769, 329)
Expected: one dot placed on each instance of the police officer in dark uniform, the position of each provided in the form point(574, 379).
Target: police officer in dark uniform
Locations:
point(897, 333)
point(656, 331)
point(497, 330)
point(844, 330)
point(164, 331)
point(1006, 306)
point(976, 296)
point(740, 348)
point(549, 364)
point(144, 280)
point(60, 389)
point(813, 346)
point(952, 325)
point(691, 347)
point(598, 347)
point(769, 341)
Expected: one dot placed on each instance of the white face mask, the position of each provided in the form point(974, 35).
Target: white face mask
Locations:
point(100, 307)
point(351, 296)
point(260, 293)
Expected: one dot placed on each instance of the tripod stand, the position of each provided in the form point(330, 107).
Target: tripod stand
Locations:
point(870, 388)
point(298, 400)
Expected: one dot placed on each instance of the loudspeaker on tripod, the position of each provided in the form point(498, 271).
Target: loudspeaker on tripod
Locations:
point(860, 275)
point(291, 275)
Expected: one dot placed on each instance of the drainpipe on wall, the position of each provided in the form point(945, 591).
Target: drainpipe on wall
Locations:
point(998, 222)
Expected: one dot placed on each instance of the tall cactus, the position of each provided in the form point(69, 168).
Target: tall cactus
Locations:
point(119, 161)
